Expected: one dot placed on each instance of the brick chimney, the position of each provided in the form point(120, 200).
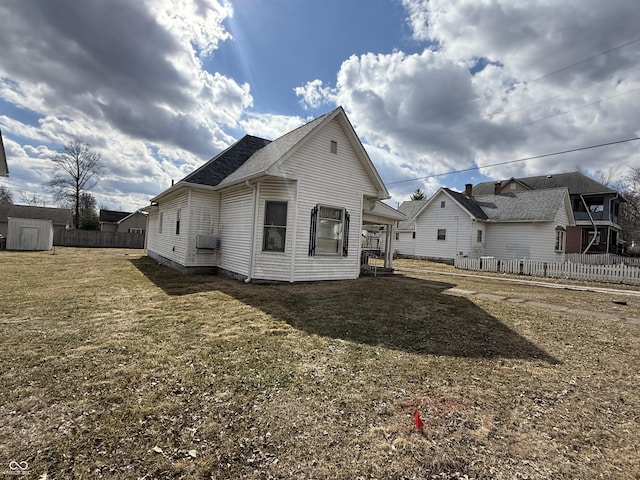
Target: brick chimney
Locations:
point(468, 188)
point(497, 187)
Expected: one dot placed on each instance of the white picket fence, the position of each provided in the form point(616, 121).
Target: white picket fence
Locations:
point(602, 259)
point(576, 271)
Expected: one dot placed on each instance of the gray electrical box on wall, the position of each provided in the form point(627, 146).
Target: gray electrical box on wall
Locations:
point(207, 242)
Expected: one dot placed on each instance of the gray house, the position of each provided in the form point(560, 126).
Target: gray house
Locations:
point(127, 222)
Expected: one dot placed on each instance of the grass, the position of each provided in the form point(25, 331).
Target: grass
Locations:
point(114, 367)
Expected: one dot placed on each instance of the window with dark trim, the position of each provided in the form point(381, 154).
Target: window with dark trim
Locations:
point(160, 219)
point(413, 235)
point(178, 214)
point(443, 204)
point(334, 146)
point(479, 236)
point(275, 227)
point(442, 234)
point(329, 232)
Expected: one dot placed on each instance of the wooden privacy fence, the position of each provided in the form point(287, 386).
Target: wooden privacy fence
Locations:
point(95, 239)
point(576, 271)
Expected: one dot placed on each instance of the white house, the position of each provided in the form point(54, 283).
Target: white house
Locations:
point(514, 225)
point(288, 210)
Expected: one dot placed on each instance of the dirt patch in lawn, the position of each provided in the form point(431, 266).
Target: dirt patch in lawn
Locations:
point(115, 367)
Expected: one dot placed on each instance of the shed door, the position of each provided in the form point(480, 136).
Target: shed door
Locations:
point(29, 238)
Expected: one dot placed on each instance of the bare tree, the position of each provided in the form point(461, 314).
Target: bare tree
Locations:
point(5, 195)
point(33, 199)
point(77, 170)
point(630, 210)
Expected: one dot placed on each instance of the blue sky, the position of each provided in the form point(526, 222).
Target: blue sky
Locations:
point(431, 86)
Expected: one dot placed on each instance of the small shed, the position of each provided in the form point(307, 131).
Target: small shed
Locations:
point(29, 234)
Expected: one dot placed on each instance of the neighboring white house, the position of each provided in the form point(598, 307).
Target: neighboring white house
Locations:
point(288, 210)
point(515, 225)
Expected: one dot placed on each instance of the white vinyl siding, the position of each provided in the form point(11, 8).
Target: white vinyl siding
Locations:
point(236, 217)
point(167, 244)
point(203, 220)
point(275, 265)
point(404, 243)
point(339, 180)
point(511, 241)
point(453, 219)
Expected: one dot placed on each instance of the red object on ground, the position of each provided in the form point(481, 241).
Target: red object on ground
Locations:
point(418, 420)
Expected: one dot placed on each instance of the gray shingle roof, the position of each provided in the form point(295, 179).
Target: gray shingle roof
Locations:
point(59, 216)
point(576, 182)
point(525, 206)
point(410, 208)
point(226, 162)
point(264, 158)
point(468, 204)
point(112, 216)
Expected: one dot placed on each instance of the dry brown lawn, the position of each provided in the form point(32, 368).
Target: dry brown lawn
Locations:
point(114, 367)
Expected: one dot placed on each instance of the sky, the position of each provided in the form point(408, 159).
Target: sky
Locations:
point(479, 87)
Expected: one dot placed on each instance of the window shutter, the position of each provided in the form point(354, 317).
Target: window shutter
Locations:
point(345, 239)
point(312, 231)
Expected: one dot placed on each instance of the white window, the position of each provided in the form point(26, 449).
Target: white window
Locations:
point(560, 239)
point(275, 226)
point(135, 230)
point(334, 146)
point(160, 221)
point(442, 234)
point(329, 234)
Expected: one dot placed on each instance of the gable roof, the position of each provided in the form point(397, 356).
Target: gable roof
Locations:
point(111, 216)
point(576, 182)
point(133, 214)
point(227, 162)
point(252, 157)
point(59, 216)
point(4, 168)
point(410, 208)
point(524, 206)
point(468, 204)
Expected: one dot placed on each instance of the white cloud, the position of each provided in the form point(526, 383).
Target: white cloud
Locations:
point(314, 94)
point(498, 81)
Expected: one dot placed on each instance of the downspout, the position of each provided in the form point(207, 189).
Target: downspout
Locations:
point(253, 230)
point(292, 269)
point(595, 227)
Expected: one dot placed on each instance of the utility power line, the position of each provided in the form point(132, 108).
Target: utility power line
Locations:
point(515, 161)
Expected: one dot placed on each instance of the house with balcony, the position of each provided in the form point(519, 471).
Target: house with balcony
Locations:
point(596, 208)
